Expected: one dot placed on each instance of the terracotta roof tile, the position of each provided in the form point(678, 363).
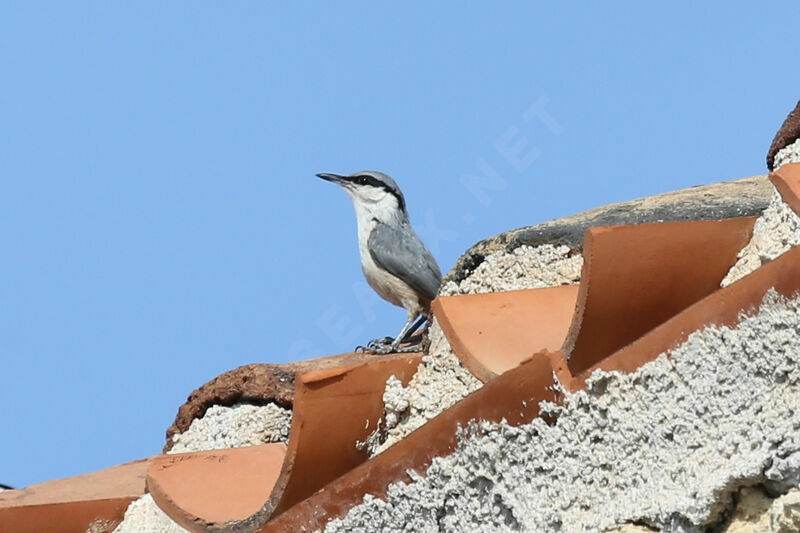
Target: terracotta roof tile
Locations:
point(253, 383)
point(716, 201)
point(492, 333)
point(72, 504)
point(206, 490)
point(511, 395)
point(636, 277)
point(514, 395)
point(787, 181)
point(723, 307)
point(334, 408)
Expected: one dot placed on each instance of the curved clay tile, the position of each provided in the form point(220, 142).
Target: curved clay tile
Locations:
point(206, 491)
point(492, 333)
point(787, 180)
point(786, 135)
point(334, 408)
point(254, 383)
point(720, 308)
point(636, 277)
point(514, 396)
point(505, 396)
point(737, 198)
point(73, 504)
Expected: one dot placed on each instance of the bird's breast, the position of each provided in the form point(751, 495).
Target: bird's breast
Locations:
point(389, 287)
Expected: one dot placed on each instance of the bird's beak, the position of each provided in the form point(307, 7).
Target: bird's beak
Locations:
point(335, 178)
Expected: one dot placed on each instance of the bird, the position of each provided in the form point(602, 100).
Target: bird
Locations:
point(397, 265)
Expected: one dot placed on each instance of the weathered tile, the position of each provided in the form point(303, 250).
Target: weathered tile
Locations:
point(73, 504)
point(636, 277)
point(492, 333)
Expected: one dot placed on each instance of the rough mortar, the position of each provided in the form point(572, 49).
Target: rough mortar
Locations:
point(101, 526)
point(667, 446)
point(757, 512)
point(774, 233)
point(144, 516)
point(789, 154)
point(231, 427)
point(440, 381)
point(526, 267)
point(221, 427)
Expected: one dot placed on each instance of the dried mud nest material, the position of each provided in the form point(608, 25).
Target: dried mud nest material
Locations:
point(787, 135)
point(728, 199)
point(257, 384)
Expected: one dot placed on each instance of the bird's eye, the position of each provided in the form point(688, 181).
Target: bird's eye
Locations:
point(362, 180)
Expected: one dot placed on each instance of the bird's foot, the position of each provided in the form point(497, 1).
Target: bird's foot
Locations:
point(376, 345)
point(383, 341)
point(384, 349)
point(375, 349)
point(409, 348)
point(381, 350)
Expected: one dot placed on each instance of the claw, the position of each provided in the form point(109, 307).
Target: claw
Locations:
point(388, 345)
point(380, 342)
point(408, 348)
point(375, 349)
point(384, 349)
point(380, 350)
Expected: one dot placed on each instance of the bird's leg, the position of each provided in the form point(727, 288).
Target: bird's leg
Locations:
point(383, 349)
point(386, 341)
point(409, 335)
point(414, 340)
point(406, 334)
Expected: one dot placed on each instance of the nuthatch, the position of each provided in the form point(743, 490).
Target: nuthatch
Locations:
point(395, 262)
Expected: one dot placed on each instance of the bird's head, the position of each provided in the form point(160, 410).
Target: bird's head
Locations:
point(371, 191)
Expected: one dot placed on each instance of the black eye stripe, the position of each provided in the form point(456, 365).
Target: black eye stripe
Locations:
point(372, 181)
point(366, 179)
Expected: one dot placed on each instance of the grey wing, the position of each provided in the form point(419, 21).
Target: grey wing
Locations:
point(402, 254)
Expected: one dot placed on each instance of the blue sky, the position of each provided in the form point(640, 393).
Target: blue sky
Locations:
point(161, 222)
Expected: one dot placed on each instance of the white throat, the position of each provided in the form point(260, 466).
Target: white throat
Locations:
point(370, 213)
